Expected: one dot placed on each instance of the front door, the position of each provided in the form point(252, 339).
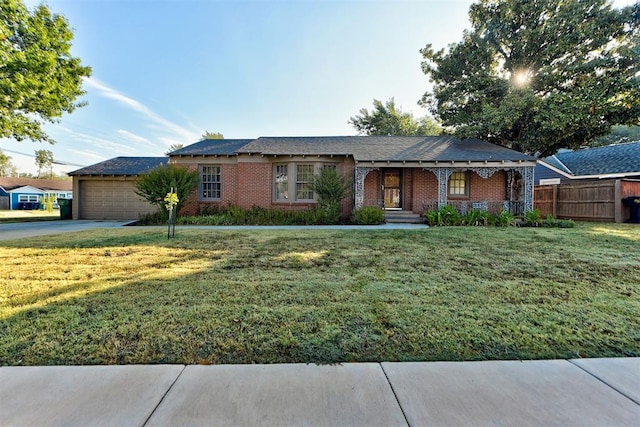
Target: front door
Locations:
point(391, 189)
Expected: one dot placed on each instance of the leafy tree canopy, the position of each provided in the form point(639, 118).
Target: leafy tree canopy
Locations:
point(154, 185)
point(39, 78)
point(387, 119)
point(44, 161)
point(619, 134)
point(173, 147)
point(539, 75)
point(6, 165)
point(212, 135)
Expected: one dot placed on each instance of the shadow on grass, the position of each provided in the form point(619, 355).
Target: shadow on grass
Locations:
point(326, 297)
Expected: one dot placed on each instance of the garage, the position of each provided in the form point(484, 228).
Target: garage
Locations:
point(107, 190)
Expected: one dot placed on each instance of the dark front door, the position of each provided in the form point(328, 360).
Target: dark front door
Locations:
point(391, 189)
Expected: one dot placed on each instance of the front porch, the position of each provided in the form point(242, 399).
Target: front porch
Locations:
point(418, 189)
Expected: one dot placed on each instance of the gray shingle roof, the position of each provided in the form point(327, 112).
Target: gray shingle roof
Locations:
point(612, 159)
point(122, 166)
point(212, 147)
point(11, 183)
point(383, 148)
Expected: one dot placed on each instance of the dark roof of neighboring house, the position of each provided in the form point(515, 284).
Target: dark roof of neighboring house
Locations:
point(611, 159)
point(122, 166)
point(11, 183)
point(383, 148)
point(212, 147)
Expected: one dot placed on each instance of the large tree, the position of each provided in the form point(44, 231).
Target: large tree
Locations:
point(44, 161)
point(212, 135)
point(387, 119)
point(39, 78)
point(6, 166)
point(539, 75)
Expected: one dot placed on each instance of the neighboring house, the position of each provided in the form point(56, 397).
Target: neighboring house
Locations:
point(589, 184)
point(608, 162)
point(409, 174)
point(25, 193)
point(106, 190)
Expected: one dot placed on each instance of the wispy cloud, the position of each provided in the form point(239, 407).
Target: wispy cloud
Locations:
point(132, 136)
point(167, 127)
point(101, 143)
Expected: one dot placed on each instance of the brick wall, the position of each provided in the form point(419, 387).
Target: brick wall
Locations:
point(492, 188)
point(425, 189)
point(372, 189)
point(254, 184)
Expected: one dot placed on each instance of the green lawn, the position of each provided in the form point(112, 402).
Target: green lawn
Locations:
point(215, 296)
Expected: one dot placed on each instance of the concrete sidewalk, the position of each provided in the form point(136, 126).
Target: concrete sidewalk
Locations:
point(556, 392)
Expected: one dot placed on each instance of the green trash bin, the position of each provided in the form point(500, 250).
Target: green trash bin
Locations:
point(65, 208)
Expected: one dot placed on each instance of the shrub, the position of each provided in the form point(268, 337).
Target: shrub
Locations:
point(155, 218)
point(477, 218)
point(47, 201)
point(368, 215)
point(154, 185)
point(533, 218)
point(504, 219)
point(446, 215)
point(551, 222)
point(331, 188)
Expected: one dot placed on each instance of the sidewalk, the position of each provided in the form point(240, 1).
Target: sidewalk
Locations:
point(555, 392)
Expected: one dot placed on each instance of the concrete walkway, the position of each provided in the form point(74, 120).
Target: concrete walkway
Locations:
point(594, 392)
point(22, 230)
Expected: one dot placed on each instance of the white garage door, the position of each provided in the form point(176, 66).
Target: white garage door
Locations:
point(111, 199)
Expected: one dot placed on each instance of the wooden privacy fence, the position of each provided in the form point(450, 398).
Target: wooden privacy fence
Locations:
point(587, 201)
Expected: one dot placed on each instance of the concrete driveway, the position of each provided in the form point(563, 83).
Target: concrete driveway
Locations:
point(21, 230)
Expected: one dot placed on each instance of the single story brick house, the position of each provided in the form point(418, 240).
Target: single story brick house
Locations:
point(25, 193)
point(396, 173)
point(410, 174)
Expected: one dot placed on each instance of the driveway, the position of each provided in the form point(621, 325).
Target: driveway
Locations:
point(21, 230)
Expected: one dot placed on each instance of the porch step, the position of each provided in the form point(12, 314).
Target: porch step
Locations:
point(402, 217)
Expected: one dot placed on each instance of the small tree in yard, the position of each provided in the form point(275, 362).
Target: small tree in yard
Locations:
point(155, 184)
point(331, 187)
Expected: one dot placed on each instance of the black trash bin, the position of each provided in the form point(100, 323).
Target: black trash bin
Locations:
point(65, 208)
point(633, 203)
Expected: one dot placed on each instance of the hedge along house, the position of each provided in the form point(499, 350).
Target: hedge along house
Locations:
point(106, 190)
point(410, 174)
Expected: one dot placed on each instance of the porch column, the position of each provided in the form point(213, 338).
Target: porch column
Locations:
point(443, 175)
point(527, 175)
point(360, 175)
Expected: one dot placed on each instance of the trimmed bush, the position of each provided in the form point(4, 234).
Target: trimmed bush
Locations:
point(369, 215)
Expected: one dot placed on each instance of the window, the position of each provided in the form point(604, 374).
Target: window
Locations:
point(210, 181)
point(28, 198)
point(281, 190)
point(304, 181)
point(458, 184)
point(294, 181)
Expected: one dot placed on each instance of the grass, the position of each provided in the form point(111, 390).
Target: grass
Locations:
point(223, 296)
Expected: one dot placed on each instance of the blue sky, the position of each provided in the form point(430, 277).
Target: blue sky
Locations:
point(166, 71)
